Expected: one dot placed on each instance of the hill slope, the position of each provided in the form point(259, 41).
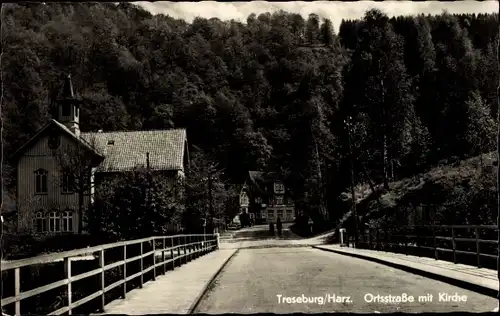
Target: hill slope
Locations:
point(461, 193)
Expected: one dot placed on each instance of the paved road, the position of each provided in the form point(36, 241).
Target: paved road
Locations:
point(252, 280)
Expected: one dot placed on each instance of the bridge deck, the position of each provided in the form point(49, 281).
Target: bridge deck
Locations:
point(174, 292)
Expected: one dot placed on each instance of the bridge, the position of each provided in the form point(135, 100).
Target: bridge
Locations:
point(248, 272)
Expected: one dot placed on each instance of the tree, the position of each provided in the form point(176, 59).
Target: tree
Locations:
point(498, 169)
point(76, 161)
point(327, 33)
point(312, 28)
point(208, 197)
point(377, 84)
point(480, 126)
point(137, 204)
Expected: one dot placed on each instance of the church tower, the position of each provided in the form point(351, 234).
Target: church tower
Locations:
point(68, 110)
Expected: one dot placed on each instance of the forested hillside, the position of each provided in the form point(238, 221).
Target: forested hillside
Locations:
point(276, 92)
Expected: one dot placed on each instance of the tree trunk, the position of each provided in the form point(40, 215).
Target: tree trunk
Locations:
point(384, 135)
point(80, 211)
point(498, 171)
point(384, 161)
point(323, 210)
point(354, 210)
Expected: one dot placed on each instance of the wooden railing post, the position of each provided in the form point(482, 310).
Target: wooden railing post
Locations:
point(172, 252)
point(435, 243)
point(478, 248)
point(17, 290)
point(102, 265)
point(179, 246)
point(67, 271)
point(454, 245)
point(185, 249)
point(197, 247)
point(163, 244)
point(124, 271)
point(154, 258)
point(142, 266)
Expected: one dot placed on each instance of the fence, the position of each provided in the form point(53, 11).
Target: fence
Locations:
point(162, 253)
point(478, 243)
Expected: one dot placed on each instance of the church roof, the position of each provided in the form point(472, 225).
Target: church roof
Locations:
point(53, 124)
point(122, 151)
point(68, 88)
point(126, 150)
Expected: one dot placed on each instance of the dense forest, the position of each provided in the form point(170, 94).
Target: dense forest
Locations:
point(282, 92)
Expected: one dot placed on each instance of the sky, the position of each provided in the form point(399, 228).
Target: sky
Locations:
point(335, 11)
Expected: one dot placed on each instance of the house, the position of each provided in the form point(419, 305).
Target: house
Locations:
point(265, 196)
point(45, 199)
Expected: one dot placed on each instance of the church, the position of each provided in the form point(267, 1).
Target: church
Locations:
point(45, 193)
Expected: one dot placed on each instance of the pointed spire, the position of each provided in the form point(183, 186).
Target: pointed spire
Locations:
point(68, 88)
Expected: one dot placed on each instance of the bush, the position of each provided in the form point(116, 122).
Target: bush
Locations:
point(15, 246)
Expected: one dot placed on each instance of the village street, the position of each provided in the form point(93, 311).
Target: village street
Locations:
point(254, 280)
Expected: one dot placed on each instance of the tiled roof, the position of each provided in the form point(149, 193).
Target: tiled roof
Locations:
point(127, 150)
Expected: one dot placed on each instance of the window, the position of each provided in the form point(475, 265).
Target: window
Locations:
point(41, 181)
point(289, 214)
point(54, 222)
point(66, 110)
point(67, 221)
point(279, 188)
point(258, 200)
point(54, 141)
point(279, 200)
point(76, 111)
point(39, 222)
point(244, 199)
point(280, 213)
point(270, 214)
point(67, 182)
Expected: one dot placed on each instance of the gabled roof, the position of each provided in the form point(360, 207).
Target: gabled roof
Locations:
point(127, 150)
point(260, 180)
point(256, 176)
point(54, 124)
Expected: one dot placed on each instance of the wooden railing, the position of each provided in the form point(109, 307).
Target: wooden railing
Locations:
point(166, 252)
point(430, 241)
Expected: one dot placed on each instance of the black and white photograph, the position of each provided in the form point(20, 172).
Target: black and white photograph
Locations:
point(249, 157)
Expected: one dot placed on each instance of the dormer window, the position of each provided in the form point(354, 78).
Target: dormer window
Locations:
point(279, 188)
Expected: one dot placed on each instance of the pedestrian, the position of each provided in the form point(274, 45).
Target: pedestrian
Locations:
point(271, 228)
